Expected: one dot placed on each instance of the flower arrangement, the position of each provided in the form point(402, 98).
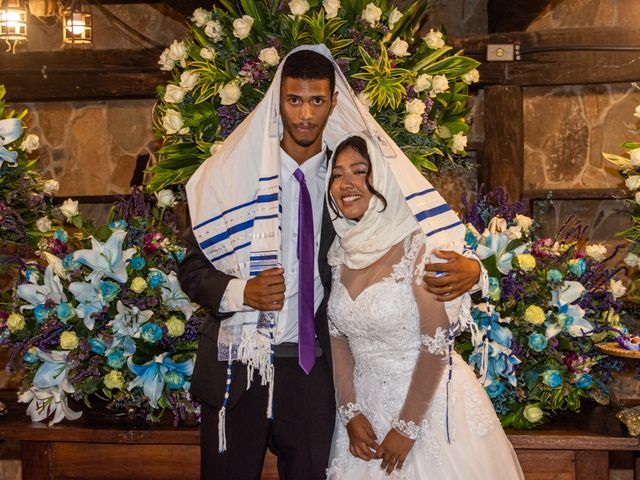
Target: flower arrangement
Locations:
point(103, 316)
point(414, 87)
point(550, 300)
point(26, 211)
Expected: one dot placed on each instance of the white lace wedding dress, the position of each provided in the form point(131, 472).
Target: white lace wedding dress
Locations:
point(391, 363)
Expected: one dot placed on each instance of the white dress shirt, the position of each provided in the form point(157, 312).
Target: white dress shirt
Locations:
point(315, 170)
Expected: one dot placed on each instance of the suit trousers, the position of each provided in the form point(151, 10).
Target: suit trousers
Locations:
point(299, 433)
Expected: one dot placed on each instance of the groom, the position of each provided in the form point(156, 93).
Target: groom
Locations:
point(301, 427)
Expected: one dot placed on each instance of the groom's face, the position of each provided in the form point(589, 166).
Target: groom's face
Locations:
point(305, 106)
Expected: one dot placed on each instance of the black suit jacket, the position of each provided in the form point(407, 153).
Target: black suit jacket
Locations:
point(206, 286)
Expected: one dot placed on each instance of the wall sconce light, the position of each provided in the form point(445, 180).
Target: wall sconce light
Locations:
point(13, 22)
point(77, 28)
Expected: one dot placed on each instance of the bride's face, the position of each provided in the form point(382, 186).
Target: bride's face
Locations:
point(348, 187)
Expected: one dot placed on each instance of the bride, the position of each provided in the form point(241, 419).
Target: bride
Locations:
point(408, 405)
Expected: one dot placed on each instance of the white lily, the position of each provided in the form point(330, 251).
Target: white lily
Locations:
point(37, 294)
point(90, 301)
point(10, 131)
point(106, 259)
point(174, 298)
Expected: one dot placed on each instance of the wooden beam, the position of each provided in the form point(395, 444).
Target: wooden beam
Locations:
point(82, 75)
point(559, 57)
point(503, 162)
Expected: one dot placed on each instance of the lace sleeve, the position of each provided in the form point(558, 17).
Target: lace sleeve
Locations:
point(343, 375)
point(431, 364)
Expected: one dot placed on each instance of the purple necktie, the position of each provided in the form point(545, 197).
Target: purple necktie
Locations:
point(306, 259)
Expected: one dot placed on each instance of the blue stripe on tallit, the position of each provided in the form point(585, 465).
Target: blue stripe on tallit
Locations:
point(259, 199)
point(432, 212)
point(235, 249)
point(417, 194)
point(441, 229)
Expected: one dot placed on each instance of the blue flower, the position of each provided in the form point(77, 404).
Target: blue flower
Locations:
point(577, 266)
point(98, 346)
point(30, 357)
point(65, 311)
point(495, 389)
point(109, 290)
point(150, 332)
point(554, 276)
point(155, 278)
point(69, 263)
point(174, 380)
point(106, 259)
point(584, 381)
point(137, 262)
point(471, 240)
point(152, 375)
point(179, 253)
point(60, 235)
point(552, 378)
point(116, 359)
point(41, 313)
point(118, 225)
point(537, 342)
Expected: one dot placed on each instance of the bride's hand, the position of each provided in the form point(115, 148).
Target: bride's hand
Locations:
point(362, 438)
point(394, 450)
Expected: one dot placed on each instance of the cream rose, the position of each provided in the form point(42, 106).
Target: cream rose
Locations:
point(174, 94)
point(50, 186)
point(523, 222)
point(188, 80)
point(172, 123)
point(459, 142)
point(372, 14)
point(178, 52)
point(633, 182)
point(532, 412)
point(138, 285)
point(200, 17)
point(634, 156)
point(30, 143)
point(412, 122)
point(165, 198)
point(43, 224)
point(331, 8)
point(208, 53)
point(114, 379)
point(534, 315)
point(298, 7)
point(269, 56)
point(497, 225)
point(16, 322)
point(423, 82)
point(632, 259)
point(434, 39)
point(68, 340)
point(637, 196)
point(175, 327)
point(617, 288)
point(415, 106)
point(471, 77)
point(165, 62)
point(394, 16)
point(213, 30)
point(399, 48)
point(242, 27)
point(439, 84)
point(229, 94)
point(596, 251)
point(69, 208)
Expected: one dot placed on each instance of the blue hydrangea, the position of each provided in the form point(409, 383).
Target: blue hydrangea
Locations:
point(116, 359)
point(65, 312)
point(109, 290)
point(585, 381)
point(118, 225)
point(495, 389)
point(30, 357)
point(552, 378)
point(174, 380)
point(137, 262)
point(537, 342)
point(150, 332)
point(61, 235)
point(41, 313)
point(180, 252)
point(97, 346)
point(578, 266)
point(155, 278)
point(69, 263)
point(554, 276)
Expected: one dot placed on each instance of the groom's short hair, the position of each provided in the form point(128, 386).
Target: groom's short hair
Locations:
point(309, 65)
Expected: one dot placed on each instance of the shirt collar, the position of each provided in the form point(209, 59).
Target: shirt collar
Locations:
point(311, 167)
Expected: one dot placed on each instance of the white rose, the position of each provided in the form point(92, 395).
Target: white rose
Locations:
point(174, 94)
point(50, 186)
point(439, 84)
point(208, 53)
point(178, 52)
point(634, 156)
point(459, 142)
point(637, 197)
point(617, 288)
point(165, 198)
point(596, 251)
point(394, 16)
point(43, 224)
point(415, 106)
point(188, 80)
point(372, 14)
point(172, 123)
point(523, 221)
point(229, 94)
point(30, 143)
point(632, 260)
point(434, 40)
point(215, 147)
point(331, 7)
point(497, 225)
point(471, 77)
point(637, 112)
point(412, 122)
point(365, 99)
point(269, 56)
point(166, 63)
point(633, 182)
point(200, 17)
point(399, 48)
point(299, 7)
point(69, 208)
point(423, 82)
point(213, 30)
point(242, 27)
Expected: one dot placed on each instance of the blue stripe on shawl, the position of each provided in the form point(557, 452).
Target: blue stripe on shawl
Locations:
point(447, 227)
point(227, 233)
point(417, 194)
point(432, 212)
point(266, 179)
point(259, 199)
point(235, 249)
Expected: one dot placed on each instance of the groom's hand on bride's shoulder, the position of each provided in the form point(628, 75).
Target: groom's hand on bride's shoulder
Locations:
point(362, 439)
point(451, 276)
point(265, 291)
